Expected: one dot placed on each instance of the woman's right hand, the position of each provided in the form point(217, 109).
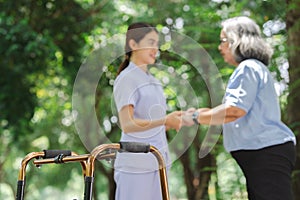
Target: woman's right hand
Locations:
point(174, 120)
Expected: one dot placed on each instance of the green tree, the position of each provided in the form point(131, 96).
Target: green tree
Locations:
point(293, 41)
point(43, 45)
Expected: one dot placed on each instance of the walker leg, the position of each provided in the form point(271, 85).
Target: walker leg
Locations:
point(88, 188)
point(20, 190)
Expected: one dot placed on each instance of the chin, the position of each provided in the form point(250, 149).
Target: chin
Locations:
point(152, 62)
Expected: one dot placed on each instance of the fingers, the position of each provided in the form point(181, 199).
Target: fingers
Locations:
point(187, 120)
point(187, 116)
point(177, 119)
point(174, 120)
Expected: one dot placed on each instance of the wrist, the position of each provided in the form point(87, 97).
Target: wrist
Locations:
point(195, 117)
point(165, 121)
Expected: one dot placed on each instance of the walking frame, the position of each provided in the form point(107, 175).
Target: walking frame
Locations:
point(87, 161)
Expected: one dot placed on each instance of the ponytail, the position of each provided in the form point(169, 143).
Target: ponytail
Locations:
point(125, 63)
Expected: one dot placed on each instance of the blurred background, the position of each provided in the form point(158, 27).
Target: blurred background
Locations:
point(43, 44)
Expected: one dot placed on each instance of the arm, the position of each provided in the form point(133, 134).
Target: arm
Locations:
point(220, 114)
point(131, 124)
point(213, 116)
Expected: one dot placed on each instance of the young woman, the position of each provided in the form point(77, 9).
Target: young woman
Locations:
point(262, 145)
point(142, 113)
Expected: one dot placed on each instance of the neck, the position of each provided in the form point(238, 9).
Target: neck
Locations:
point(141, 65)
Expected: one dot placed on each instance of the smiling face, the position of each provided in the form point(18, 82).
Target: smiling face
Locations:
point(144, 52)
point(225, 50)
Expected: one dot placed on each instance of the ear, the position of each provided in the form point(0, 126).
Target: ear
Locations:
point(132, 44)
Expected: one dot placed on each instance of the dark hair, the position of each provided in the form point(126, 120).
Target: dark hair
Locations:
point(136, 32)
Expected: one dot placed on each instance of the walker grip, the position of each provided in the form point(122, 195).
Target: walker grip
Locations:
point(55, 153)
point(135, 147)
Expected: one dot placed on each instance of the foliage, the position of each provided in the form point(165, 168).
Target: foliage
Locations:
point(45, 43)
point(293, 42)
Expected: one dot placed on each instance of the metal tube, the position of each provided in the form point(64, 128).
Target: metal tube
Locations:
point(116, 146)
point(20, 190)
point(32, 155)
point(22, 172)
point(88, 187)
point(93, 155)
point(25, 161)
point(66, 159)
point(162, 173)
point(73, 158)
point(87, 163)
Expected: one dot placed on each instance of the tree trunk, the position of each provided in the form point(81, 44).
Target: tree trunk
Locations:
point(197, 176)
point(207, 166)
point(293, 41)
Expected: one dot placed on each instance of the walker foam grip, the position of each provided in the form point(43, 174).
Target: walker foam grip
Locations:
point(135, 147)
point(54, 153)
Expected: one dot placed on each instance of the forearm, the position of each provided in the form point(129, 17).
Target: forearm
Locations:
point(220, 115)
point(137, 125)
point(211, 117)
point(130, 124)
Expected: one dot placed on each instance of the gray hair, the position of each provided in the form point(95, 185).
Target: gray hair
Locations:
point(244, 37)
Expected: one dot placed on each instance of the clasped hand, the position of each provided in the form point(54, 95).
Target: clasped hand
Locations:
point(178, 119)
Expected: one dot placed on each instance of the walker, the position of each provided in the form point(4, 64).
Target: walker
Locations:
point(101, 152)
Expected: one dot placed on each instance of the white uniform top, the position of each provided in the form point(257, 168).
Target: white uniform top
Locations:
point(135, 87)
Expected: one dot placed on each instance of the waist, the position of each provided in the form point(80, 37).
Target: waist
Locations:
point(267, 148)
point(156, 137)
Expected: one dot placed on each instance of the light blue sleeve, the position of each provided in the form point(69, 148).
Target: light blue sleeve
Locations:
point(125, 92)
point(242, 88)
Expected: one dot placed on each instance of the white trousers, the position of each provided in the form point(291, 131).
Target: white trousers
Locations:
point(137, 177)
point(138, 186)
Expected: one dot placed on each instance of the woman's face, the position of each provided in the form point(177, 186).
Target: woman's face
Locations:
point(225, 50)
point(144, 52)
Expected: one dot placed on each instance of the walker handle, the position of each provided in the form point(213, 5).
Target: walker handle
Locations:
point(135, 147)
point(54, 153)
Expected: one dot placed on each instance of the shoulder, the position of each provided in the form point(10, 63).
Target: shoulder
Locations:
point(131, 77)
point(253, 65)
point(127, 75)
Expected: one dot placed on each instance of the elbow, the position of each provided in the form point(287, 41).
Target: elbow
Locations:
point(230, 119)
point(126, 128)
point(234, 113)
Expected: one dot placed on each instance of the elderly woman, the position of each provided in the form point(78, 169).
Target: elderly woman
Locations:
point(262, 145)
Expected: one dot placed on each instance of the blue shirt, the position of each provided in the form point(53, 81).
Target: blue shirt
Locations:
point(251, 88)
